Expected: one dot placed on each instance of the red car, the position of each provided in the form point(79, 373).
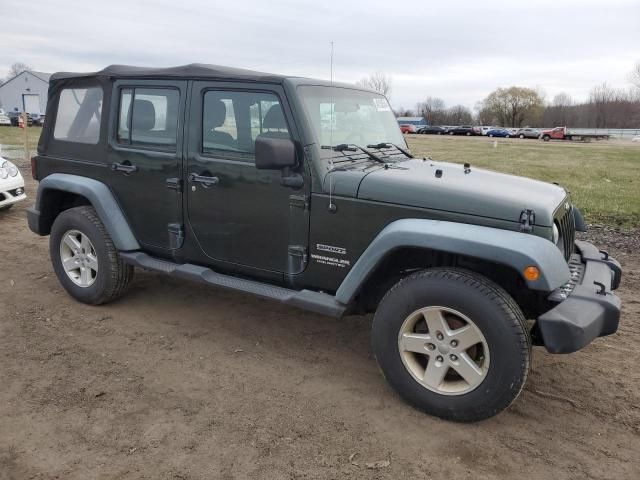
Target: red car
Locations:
point(406, 128)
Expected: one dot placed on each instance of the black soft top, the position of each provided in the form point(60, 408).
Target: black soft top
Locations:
point(193, 70)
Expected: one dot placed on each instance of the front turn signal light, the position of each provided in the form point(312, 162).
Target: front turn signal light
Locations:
point(531, 273)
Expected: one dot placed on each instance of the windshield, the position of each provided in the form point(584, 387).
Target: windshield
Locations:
point(348, 116)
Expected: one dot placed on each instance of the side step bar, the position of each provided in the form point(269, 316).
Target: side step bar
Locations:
point(306, 299)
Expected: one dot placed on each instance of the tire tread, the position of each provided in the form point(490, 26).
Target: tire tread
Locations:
point(497, 295)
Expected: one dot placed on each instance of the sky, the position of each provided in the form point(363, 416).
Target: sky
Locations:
point(459, 51)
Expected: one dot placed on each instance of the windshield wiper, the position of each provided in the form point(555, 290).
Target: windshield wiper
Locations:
point(352, 147)
point(341, 147)
point(379, 146)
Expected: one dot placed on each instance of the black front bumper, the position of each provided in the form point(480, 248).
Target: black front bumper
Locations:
point(587, 308)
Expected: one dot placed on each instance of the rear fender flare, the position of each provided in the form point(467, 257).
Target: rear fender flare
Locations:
point(100, 197)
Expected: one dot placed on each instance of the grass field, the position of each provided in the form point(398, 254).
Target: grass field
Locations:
point(603, 177)
point(13, 137)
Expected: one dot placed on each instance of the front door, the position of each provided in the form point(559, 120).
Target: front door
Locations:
point(145, 158)
point(238, 214)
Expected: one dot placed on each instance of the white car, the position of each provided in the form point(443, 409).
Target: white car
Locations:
point(5, 120)
point(11, 185)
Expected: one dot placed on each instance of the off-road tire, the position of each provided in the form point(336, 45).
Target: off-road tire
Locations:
point(490, 307)
point(113, 276)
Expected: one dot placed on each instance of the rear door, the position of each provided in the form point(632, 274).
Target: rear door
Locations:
point(145, 158)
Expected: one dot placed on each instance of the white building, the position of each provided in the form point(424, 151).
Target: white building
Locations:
point(26, 91)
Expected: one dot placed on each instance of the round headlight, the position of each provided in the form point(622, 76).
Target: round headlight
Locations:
point(12, 169)
point(4, 173)
point(556, 234)
point(9, 168)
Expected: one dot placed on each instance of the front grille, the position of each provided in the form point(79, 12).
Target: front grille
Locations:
point(567, 228)
point(576, 267)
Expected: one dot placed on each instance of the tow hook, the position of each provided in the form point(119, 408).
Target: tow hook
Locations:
point(602, 289)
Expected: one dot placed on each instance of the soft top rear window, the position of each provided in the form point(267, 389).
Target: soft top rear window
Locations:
point(78, 115)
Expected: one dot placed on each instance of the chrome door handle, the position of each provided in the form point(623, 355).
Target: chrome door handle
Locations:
point(205, 180)
point(125, 168)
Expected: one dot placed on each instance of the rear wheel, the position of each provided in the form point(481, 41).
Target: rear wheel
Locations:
point(521, 136)
point(452, 343)
point(491, 135)
point(85, 259)
point(468, 134)
point(450, 133)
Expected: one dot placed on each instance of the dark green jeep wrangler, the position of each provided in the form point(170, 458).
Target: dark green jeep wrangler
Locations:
point(304, 191)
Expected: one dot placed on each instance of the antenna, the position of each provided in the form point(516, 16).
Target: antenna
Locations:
point(332, 61)
point(332, 206)
point(332, 119)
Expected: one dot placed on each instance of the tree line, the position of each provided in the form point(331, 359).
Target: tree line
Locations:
point(606, 107)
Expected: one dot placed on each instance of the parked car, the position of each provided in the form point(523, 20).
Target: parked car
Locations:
point(11, 185)
point(15, 118)
point(5, 120)
point(499, 132)
point(467, 130)
point(485, 129)
point(407, 122)
point(36, 119)
point(464, 268)
point(527, 133)
point(408, 128)
point(432, 130)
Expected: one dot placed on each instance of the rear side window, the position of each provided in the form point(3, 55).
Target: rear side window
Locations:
point(148, 117)
point(78, 115)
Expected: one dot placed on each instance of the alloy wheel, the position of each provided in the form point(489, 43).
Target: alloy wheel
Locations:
point(79, 258)
point(443, 350)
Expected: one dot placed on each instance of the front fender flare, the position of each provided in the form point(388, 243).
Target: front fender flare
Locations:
point(513, 249)
point(100, 198)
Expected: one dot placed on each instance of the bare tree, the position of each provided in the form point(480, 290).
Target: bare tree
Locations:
point(458, 115)
point(513, 105)
point(378, 81)
point(562, 100)
point(432, 109)
point(634, 76)
point(17, 68)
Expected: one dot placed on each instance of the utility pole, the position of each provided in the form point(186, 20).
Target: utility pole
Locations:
point(26, 137)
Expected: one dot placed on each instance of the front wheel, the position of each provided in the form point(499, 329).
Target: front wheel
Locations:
point(452, 343)
point(85, 259)
point(521, 136)
point(546, 138)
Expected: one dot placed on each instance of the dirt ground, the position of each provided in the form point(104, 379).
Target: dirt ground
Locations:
point(182, 381)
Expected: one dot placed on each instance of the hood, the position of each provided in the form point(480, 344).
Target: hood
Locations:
point(477, 192)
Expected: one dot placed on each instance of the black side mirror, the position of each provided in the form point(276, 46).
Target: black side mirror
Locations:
point(275, 153)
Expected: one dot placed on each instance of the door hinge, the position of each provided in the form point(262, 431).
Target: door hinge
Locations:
point(174, 184)
point(298, 251)
point(527, 220)
point(299, 201)
point(176, 235)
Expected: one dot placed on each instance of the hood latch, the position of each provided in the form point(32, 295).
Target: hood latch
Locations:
point(527, 220)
